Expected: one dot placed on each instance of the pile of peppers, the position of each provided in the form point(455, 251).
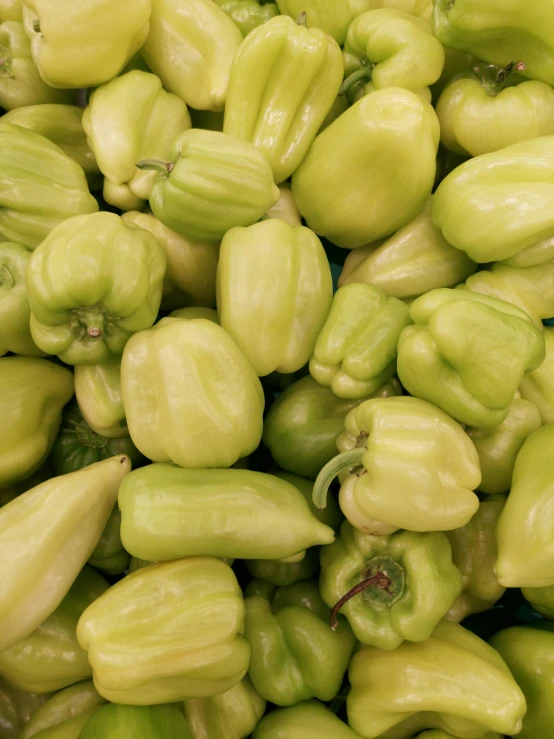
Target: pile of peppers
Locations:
point(277, 369)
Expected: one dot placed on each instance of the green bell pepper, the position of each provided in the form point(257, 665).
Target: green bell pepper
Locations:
point(167, 513)
point(390, 588)
point(37, 196)
point(284, 80)
point(191, 265)
point(85, 314)
point(454, 681)
point(474, 552)
point(371, 171)
point(98, 393)
point(529, 653)
point(411, 262)
point(16, 706)
point(355, 352)
point(499, 446)
point(84, 44)
point(524, 532)
point(129, 119)
point(191, 47)
point(147, 722)
point(422, 468)
point(20, 81)
point(50, 658)
point(538, 386)
point(267, 276)
point(168, 632)
point(248, 14)
point(11, 10)
point(306, 720)
point(62, 519)
point(517, 224)
point(200, 369)
point(445, 358)
point(295, 654)
point(230, 715)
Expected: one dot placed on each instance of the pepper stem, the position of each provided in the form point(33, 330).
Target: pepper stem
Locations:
point(344, 461)
point(359, 75)
point(502, 77)
point(302, 19)
point(381, 580)
point(157, 165)
point(94, 332)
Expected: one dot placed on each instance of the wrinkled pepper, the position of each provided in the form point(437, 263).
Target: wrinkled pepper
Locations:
point(306, 720)
point(538, 386)
point(248, 14)
point(98, 393)
point(147, 722)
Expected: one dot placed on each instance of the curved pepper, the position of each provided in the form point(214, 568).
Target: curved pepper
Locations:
point(458, 682)
point(538, 386)
point(371, 171)
point(431, 490)
point(85, 314)
point(168, 632)
point(98, 393)
point(390, 588)
point(200, 369)
point(248, 14)
point(306, 720)
point(517, 224)
point(84, 44)
point(36, 197)
point(11, 10)
point(16, 706)
point(147, 722)
point(284, 80)
point(191, 47)
point(64, 714)
point(445, 357)
point(355, 352)
point(267, 277)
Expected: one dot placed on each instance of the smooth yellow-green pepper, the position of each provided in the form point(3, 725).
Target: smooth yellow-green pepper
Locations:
point(538, 385)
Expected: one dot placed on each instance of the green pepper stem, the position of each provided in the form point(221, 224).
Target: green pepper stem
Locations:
point(360, 74)
point(157, 165)
point(381, 580)
point(495, 87)
point(344, 461)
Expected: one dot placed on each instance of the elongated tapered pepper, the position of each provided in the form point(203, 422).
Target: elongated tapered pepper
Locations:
point(248, 14)
point(538, 385)
point(98, 393)
point(64, 714)
point(306, 720)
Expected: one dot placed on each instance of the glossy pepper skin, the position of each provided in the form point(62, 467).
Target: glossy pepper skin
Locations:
point(35, 198)
point(63, 519)
point(274, 291)
point(422, 583)
point(525, 547)
point(11, 10)
point(20, 81)
point(362, 179)
point(538, 386)
point(200, 369)
point(295, 655)
point(149, 722)
point(284, 80)
point(445, 357)
point(98, 393)
point(33, 393)
point(306, 720)
point(248, 14)
point(167, 513)
point(411, 262)
point(206, 168)
point(148, 641)
point(474, 552)
point(191, 47)
point(355, 352)
point(110, 287)
point(430, 491)
point(50, 658)
point(129, 119)
point(84, 44)
point(517, 224)
point(457, 681)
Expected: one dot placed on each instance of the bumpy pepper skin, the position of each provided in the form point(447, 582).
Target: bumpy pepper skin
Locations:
point(306, 720)
point(538, 386)
point(168, 632)
point(497, 206)
point(212, 183)
point(11, 10)
point(445, 357)
point(371, 171)
point(129, 119)
point(33, 393)
point(230, 715)
point(524, 533)
point(248, 14)
point(91, 284)
point(355, 352)
point(284, 80)
point(98, 393)
point(423, 583)
point(191, 47)
point(413, 261)
point(167, 513)
point(20, 81)
point(191, 265)
point(295, 655)
point(455, 679)
point(274, 291)
point(63, 519)
point(474, 552)
point(199, 369)
point(498, 446)
point(149, 722)
point(50, 658)
point(35, 198)
point(87, 43)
